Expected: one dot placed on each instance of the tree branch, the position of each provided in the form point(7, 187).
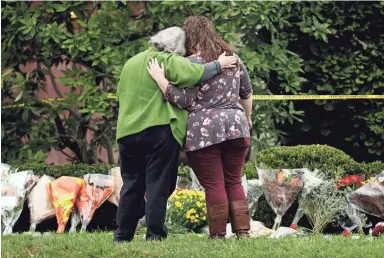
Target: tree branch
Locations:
point(73, 146)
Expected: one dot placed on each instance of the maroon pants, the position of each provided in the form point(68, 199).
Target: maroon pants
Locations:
point(219, 170)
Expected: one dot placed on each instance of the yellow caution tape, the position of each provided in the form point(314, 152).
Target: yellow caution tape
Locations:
point(254, 97)
point(315, 97)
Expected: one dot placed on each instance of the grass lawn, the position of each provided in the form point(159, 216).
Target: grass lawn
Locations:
point(190, 245)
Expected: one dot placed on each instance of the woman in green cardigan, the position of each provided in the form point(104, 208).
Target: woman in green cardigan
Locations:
point(150, 131)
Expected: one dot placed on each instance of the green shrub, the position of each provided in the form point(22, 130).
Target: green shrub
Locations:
point(75, 170)
point(250, 170)
point(370, 168)
point(332, 162)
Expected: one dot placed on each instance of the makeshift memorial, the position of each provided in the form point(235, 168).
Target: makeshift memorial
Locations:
point(63, 193)
point(281, 189)
point(95, 192)
point(117, 184)
point(39, 202)
point(370, 197)
point(310, 180)
point(14, 189)
point(187, 208)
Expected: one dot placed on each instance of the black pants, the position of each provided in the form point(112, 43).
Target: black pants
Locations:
point(148, 163)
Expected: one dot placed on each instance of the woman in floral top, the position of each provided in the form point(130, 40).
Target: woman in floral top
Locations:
point(218, 127)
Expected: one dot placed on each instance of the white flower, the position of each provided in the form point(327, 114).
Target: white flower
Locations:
point(237, 119)
point(204, 132)
point(205, 87)
point(201, 144)
point(207, 121)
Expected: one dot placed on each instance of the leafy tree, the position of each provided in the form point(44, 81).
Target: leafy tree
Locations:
point(350, 61)
point(94, 40)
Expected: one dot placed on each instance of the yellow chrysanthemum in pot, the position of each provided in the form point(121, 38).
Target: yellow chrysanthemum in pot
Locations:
point(187, 208)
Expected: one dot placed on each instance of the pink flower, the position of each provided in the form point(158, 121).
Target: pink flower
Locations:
point(236, 133)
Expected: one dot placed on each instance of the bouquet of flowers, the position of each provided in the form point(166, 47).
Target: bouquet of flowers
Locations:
point(117, 184)
point(39, 203)
point(351, 219)
point(370, 197)
point(96, 191)
point(253, 190)
point(195, 182)
point(350, 183)
point(187, 208)
point(281, 188)
point(322, 204)
point(63, 193)
point(311, 180)
point(14, 189)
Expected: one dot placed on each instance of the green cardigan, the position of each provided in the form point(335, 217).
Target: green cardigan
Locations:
point(141, 102)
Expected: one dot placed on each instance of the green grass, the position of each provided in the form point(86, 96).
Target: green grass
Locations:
point(190, 245)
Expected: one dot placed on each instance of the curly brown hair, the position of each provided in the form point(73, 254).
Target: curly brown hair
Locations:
point(201, 36)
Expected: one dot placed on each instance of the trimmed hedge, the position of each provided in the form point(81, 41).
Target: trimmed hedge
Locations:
point(332, 162)
point(56, 171)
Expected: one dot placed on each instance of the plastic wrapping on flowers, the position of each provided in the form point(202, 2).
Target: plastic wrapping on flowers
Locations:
point(187, 208)
point(63, 193)
point(281, 188)
point(95, 192)
point(14, 189)
point(4, 169)
point(195, 182)
point(253, 190)
point(311, 180)
point(39, 203)
point(370, 197)
point(117, 184)
point(350, 220)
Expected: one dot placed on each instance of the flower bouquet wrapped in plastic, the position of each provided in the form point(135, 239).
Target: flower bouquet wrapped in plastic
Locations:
point(63, 193)
point(195, 182)
point(117, 184)
point(370, 197)
point(351, 219)
point(281, 188)
point(253, 190)
point(14, 189)
point(95, 192)
point(311, 180)
point(5, 169)
point(39, 203)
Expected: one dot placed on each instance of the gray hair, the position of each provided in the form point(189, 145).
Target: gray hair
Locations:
point(170, 40)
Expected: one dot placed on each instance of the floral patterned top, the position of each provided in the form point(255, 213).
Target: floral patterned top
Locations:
point(215, 114)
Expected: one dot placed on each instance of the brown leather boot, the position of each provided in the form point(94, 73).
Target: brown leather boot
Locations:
point(217, 220)
point(239, 217)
